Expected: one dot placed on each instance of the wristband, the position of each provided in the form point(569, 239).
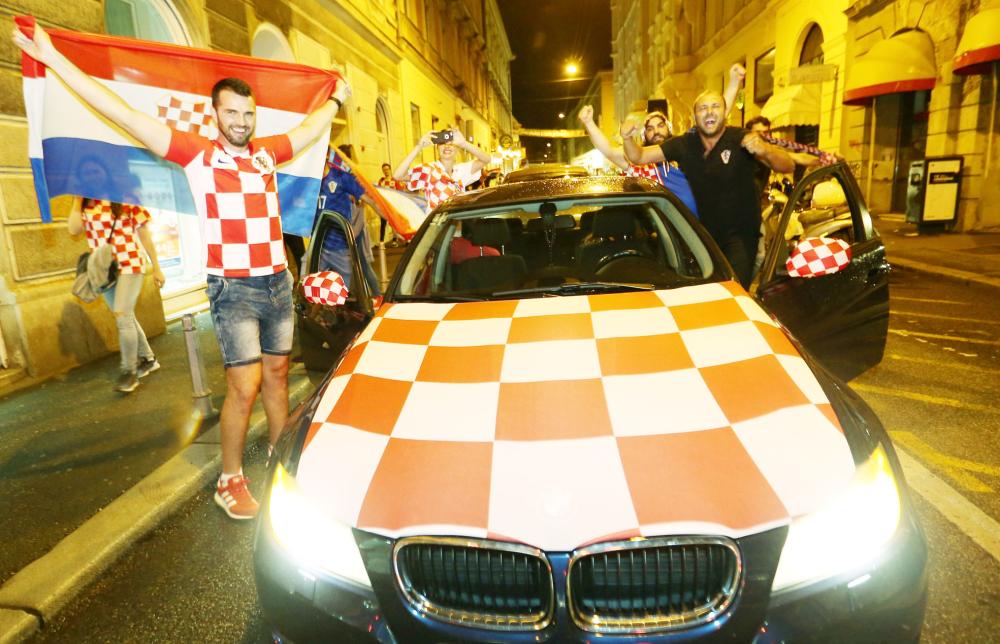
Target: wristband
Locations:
point(336, 100)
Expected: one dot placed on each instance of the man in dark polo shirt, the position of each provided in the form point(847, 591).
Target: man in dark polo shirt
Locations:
point(719, 162)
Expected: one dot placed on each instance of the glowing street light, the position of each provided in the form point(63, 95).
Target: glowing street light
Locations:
point(571, 68)
point(562, 115)
point(549, 144)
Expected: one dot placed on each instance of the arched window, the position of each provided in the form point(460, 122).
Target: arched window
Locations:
point(812, 47)
point(177, 237)
point(146, 19)
point(381, 118)
point(270, 43)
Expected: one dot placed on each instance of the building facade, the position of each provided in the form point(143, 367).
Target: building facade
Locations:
point(800, 56)
point(414, 66)
point(600, 95)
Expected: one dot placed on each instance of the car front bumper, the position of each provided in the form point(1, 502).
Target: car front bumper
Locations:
point(883, 602)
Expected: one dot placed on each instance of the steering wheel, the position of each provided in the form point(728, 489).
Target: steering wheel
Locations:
point(603, 263)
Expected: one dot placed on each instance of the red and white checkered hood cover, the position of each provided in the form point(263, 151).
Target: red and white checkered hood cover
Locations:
point(563, 421)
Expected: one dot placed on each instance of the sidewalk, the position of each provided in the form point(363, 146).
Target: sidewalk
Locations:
point(85, 471)
point(971, 257)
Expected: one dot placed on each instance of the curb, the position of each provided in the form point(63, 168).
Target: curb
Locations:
point(40, 590)
point(923, 267)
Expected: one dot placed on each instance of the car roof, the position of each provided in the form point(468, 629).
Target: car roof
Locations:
point(527, 191)
point(546, 170)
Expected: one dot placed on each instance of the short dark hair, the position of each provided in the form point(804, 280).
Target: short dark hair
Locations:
point(234, 85)
point(763, 120)
point(386, 165)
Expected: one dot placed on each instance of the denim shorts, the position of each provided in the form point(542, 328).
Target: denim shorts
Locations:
point(252, 316)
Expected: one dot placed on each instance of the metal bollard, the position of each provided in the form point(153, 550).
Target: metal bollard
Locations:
point(202, 394)
point(383, 277)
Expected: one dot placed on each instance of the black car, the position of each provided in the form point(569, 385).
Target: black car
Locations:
point(566, 421)
point(541, 171)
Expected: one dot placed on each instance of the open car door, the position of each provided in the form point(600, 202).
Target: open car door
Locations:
point(841, 317)
point(325, 330)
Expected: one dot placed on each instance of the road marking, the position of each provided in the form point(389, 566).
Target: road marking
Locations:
point(893, 298)
point(938, 336)
point(933, 400)
point(949, 365)
point(942, 317)
point(955, 468)
point(979, 526)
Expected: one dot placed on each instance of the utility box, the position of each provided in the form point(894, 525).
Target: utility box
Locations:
point(915, 192)
point(942, 184)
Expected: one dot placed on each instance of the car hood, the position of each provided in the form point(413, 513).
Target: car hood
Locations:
point(562, 421)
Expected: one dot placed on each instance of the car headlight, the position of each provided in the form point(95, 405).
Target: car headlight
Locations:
point(848, 533)
point(311, 538)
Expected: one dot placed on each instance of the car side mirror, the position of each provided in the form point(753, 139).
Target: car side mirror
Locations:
point(817, 256)
point(326, 288)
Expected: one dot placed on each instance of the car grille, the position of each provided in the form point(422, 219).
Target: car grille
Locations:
point(652, 585)
point(471, 582)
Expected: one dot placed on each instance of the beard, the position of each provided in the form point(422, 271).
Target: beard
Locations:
point(237, 141)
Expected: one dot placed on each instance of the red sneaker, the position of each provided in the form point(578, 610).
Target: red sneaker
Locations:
point(236, 499)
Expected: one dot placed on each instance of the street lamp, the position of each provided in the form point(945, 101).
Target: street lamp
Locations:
point(562, 115)
point(571, 68)
point(548, 144)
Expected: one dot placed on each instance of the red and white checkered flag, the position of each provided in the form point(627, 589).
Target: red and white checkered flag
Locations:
point(187, 116)
point(817, 256)
point(325, 287)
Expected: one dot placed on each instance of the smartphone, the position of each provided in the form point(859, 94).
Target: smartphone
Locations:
point(442, 136)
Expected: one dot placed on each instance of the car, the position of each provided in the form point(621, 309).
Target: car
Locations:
point(540, 171)
point(566, 421)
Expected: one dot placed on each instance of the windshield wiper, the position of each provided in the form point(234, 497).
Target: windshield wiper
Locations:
point(439, 298)
point(579, 287)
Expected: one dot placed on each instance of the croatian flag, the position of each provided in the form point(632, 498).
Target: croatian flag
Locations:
point(174, 85)
point(404, 211)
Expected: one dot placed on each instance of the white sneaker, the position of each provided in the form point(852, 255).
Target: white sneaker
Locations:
point(146, 367)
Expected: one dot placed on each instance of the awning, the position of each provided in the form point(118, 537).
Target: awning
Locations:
point(980, 44)
point(793, 105)
point(903, 62)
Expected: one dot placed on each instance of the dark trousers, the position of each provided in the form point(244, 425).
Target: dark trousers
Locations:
point(740, 250)
point(296, 248)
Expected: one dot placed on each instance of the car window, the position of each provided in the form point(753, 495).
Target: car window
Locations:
point(328, 251)
point(822, 209)
point(558, 247)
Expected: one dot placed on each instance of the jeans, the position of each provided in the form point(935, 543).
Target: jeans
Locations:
point(252, 316)
point(121, 299)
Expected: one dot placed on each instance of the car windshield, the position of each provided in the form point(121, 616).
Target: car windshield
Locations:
point(553, 248)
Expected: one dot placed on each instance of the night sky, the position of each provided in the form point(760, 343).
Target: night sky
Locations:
point(543, 35)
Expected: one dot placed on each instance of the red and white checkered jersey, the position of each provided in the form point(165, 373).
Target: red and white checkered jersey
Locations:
point(98, 219)
point(647, 171)
point(389, 182)
point(437, 185)
point(237, 198)
point(683, 411)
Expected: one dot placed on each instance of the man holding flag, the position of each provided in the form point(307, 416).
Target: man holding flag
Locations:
point(234, 185)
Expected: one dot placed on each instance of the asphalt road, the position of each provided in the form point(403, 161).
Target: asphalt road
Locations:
point(936, 391)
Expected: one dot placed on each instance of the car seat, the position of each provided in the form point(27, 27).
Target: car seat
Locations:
point(506, 271)
point(614, 231)
point(565, 240)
